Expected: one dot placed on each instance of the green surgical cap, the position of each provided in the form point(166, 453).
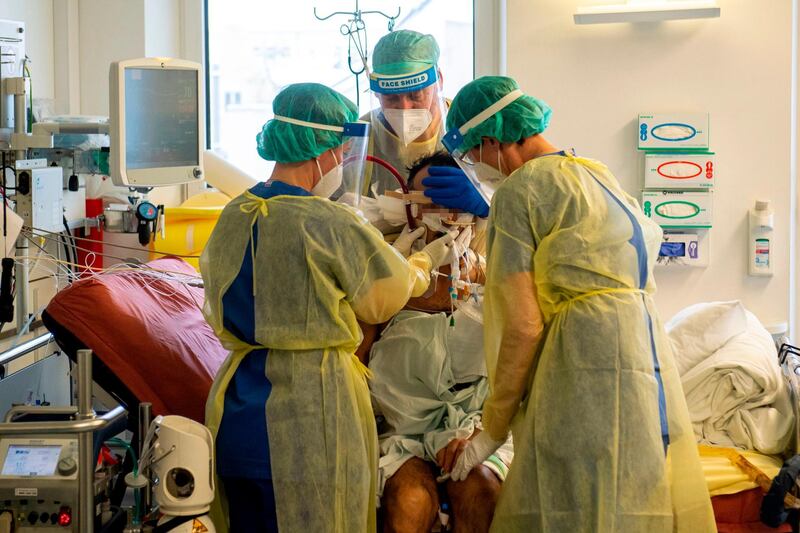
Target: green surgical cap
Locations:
point(404, 52)
point(522, 118)
point(285, 142)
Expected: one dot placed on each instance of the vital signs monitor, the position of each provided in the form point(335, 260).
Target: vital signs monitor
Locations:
point(157, 122)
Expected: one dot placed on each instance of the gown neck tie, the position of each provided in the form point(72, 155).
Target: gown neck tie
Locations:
point(255, 206)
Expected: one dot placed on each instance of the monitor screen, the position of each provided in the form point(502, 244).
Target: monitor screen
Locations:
point(161, 118)
point(25, 460)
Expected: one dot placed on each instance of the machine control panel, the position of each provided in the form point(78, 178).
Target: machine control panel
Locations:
point(38, 483)
point(38, 458)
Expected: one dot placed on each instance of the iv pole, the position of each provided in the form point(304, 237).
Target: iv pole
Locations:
point(356, 32)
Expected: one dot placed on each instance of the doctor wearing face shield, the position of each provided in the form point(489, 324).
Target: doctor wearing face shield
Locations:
point(579, 366)
point(409, 122)
point(288, 274)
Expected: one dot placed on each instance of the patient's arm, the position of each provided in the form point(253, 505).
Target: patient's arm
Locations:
point(371, 332)
point(446, 457)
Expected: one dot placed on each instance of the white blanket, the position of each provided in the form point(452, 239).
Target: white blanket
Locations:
point(735, 393)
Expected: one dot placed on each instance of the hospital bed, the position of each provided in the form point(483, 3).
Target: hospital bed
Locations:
point(147, 332)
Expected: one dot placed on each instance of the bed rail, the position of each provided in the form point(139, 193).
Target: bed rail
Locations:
point(25, 348)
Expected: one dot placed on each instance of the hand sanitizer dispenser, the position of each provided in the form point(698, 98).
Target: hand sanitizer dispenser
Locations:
point(760, 261)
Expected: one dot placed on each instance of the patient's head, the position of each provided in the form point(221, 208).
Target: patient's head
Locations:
point(419, 169)
point(438, 219)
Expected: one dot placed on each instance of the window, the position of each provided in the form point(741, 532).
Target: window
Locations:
point(232, 99)
point(255, 48)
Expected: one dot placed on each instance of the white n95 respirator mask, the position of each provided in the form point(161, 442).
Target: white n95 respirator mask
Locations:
point(489, 176)
point(330, 182)
point(408, 124)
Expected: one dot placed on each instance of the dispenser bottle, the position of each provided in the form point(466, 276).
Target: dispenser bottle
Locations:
point(761, 246)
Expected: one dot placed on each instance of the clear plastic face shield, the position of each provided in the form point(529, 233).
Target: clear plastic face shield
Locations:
point(485, 180)
point(355, 140)
point(409, 107)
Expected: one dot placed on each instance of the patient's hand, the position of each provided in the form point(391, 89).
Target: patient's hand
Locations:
point(446, 457)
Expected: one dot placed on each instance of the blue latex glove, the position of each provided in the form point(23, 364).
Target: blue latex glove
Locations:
point(450, 187)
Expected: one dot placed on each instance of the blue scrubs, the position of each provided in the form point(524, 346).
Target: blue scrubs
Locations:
point(243, 461)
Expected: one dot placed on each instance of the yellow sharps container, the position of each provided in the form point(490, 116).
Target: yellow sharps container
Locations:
point(188, 226)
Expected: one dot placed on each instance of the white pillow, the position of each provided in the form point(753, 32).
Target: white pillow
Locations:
point(701, 329)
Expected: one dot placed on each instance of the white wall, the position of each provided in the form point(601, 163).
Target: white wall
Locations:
point(38, 18)
point(66, 49)
point(110, 30)
point(738, 68)
point(162, 28)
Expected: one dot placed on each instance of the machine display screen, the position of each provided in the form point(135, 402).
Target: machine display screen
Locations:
point(161, 118)
point(25, 460)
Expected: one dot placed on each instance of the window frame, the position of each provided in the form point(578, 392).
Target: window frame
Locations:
point(489, 44)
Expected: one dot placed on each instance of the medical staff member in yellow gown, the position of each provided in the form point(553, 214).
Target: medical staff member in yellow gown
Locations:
point(580, 367)
point(408, 124)
point(287, 274)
